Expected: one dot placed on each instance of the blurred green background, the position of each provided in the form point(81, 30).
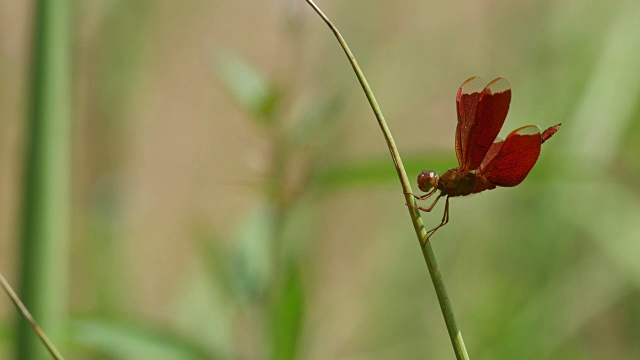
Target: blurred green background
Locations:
point(232, 196)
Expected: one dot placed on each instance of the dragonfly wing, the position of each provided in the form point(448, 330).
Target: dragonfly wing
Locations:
point(493, 151)
point(491, 112)
point(467, 105)
point(515, 157)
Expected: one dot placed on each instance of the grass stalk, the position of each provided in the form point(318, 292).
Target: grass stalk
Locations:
point(46, 193)
point(429, 257)
point(27, 315)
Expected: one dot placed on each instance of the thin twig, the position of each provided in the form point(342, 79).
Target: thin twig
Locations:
point(427, 251)
point(27, 315)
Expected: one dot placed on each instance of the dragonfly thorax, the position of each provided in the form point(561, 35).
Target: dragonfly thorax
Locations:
point(456, 182)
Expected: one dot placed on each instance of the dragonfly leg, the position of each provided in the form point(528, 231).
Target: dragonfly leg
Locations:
point(445, 219)
point(425, 196)
point(430, 207)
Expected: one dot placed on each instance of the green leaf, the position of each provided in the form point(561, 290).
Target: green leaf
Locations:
point(216, 260)
point(251, 259)
point(287, 315)
point(131, 341)
point(605, 111)
point(250, 89)
point(206, 312)
point(316, 123)
point(377, 171)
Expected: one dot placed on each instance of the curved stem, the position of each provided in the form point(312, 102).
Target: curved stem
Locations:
point(27, 315)
point(416, 219)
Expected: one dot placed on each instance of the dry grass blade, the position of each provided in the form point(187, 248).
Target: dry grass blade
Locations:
point(27, 315)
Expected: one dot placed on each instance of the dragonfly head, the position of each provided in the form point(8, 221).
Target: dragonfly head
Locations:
point(427, 180)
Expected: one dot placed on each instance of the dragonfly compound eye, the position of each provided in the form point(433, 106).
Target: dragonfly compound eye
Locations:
point(427, 180)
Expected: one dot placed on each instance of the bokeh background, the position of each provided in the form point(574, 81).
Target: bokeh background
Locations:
point(233, 198)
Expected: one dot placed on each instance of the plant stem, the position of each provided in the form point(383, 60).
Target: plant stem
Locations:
point(27, 315)
point(45, 222)
point(427, 251)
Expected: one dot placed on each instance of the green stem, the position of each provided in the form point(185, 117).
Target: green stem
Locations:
point(45, 222)
point(27, 315)
point(416, 219)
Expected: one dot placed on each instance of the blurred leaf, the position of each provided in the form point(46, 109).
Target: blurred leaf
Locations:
point(317, 121)
point(134, 341)
point(615, 231)
point(566, 304)
point(205, 312)
point(250, 89)
point(628, 169)
point(251, 261)
point(610, 98)
point(216, 260)
point(287, 315)
point(378, 171)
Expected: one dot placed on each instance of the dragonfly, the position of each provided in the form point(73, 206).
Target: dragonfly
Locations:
point(485, 161)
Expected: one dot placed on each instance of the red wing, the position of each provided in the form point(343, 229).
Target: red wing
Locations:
point(491, 112)
point(467, 104)
point(493, 151)
point(515, 157)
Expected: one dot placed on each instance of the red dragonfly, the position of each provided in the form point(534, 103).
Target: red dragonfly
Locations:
point(484, 160)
